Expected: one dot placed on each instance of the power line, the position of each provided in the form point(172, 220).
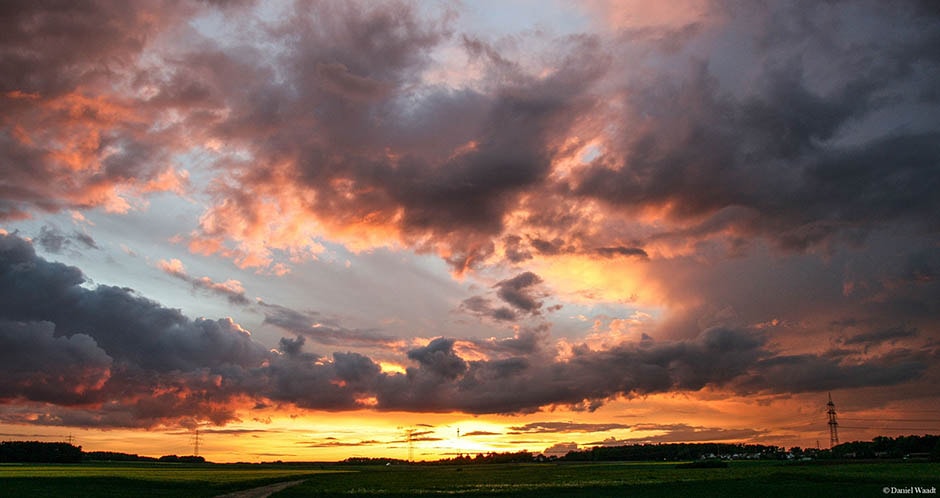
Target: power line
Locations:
point(890, 428)
point(914, 410)
point(892, 419)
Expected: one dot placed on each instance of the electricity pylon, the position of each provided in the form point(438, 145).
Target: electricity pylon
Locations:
point(833, 424)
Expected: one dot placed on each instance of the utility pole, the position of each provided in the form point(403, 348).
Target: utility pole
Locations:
point(196, 442)
point(833, 424)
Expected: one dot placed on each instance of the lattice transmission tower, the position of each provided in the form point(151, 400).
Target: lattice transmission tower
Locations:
point(833, 423)
point(196, 442)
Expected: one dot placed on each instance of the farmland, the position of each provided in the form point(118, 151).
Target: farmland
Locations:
point(625, 479)
point(143, 479)
point(504, 480)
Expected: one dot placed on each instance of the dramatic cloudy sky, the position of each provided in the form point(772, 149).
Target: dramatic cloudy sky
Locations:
point(311, 228)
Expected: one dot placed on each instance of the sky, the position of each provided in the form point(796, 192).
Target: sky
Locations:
point(309, 229)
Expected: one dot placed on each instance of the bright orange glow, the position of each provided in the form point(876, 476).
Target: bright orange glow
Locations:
point(279, 433)
point(391, 367)
point(588, 279)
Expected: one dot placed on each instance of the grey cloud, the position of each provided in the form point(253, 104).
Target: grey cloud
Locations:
point(883, 335)
point(555, 246)
point(483, 307)
point(141, 364)
point(146, 359)
point(354, 367)
point(560, 449)
point(811, 373)
point(480, 433)
point(675, 433)
point(512, 246)
point(55, 241)
point(323, 330)
point(518, 292)
point(336, 78)
point(525, 342)
point(230, 290)
point(291, 347)
point(515, 291)
point(439, 358)
point(516, 384)
point(564, 427)
point(39, 366)
point(779, 151)
point(330, 443)
point(622, 251)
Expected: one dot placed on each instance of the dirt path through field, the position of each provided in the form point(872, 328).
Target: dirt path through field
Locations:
point(263, 491)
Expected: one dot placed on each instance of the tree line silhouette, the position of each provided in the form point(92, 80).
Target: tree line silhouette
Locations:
point(926, 447)
point(43, 452)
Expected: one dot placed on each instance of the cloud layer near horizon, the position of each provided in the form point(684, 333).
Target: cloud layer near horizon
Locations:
point(108, 357)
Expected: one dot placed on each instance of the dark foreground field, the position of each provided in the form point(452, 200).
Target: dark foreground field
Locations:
point(142, 479)
point(745, 479)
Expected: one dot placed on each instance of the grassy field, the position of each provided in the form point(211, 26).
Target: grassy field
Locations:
point(593, 480)
point(142, 479)
point(745, 479)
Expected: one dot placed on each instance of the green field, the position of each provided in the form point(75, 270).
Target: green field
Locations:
point(750, 479)
point(142, 479)
point(745, 479)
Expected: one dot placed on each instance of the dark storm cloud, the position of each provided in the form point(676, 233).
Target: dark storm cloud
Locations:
point(291, 347)
point(737, 359)
point(778, 154)
point(41, 367)
point(143, 364)
point(438, 357)
point(55, 241)
point(152, 364)
point(810, 373)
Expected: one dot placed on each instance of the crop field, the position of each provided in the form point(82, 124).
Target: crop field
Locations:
point(142, 479)
point(744, 479)
point(594, 480)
